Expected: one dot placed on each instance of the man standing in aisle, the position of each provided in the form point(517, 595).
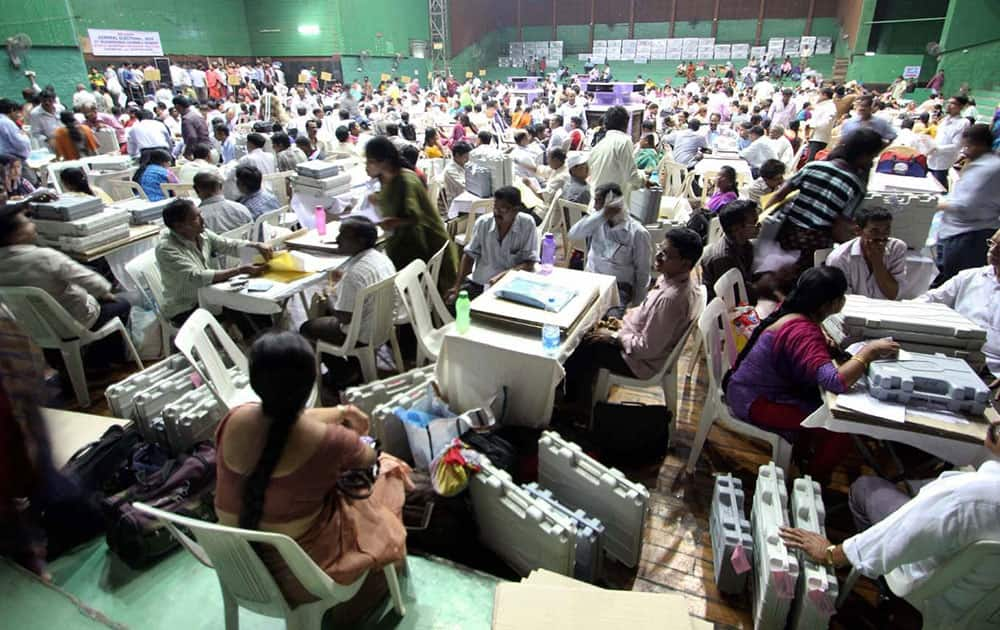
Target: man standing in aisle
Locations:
point(863, 119)
point(194, 130)
point(782, 111)
point(820, 124)
point(612, 160)
point(948, 139)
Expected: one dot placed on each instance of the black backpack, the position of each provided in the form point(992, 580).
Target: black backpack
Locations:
point(104, 466)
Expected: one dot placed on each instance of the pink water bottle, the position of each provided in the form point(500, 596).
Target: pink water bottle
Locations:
point(320, 221)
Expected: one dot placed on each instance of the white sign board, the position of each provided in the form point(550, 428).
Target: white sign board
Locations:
point(911, 72)
point(722, 51)
point(775, 45)
point(758, 51)
point(690, 48)
point(824, 45)
point(740, 51)
point(675, 49)
point(109, 43)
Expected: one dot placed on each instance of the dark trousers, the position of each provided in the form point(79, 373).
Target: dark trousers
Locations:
point(590, 356)
point(941, 176)
point(964, 251)
point(872, 499)
point(107, 350)
point(328, 329)
point(250, 325)
point(814, 148)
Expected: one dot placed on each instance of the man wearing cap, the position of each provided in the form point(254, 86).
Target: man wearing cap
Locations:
point(619, 245)
point(576, 189)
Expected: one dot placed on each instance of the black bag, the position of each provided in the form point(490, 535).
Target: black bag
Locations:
point(501, 453)
point(263, 126)
point(443, 526)
point(699, 222)
point(184, 485)
point(630, 434)
point(104, 466)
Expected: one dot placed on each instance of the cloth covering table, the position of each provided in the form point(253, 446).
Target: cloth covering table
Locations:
point(461, 204)
point(713, 164)
point(472, 368)
point(920, 273)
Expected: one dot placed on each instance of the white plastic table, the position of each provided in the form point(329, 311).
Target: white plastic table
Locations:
point(883, 182)
point(711, 164)
point(472, 367)
point(461, 204)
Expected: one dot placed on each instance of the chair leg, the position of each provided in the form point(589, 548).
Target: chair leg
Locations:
point(845, 590)
point(704, 425)
point(366, 357)
point(397, 356)
point(129, 346)
point(601, 388)
point(231, 610)
point(670, 398)
point(397, 596)
point(74, 366)
point(307, 616)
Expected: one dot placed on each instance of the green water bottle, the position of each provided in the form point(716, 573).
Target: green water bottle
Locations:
point(462, 312)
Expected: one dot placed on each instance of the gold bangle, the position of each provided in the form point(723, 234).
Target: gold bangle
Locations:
point(829, 555)
point(860, 360)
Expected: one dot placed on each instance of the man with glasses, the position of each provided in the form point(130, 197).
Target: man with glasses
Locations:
point(873, 262)
point(971, 211)
point(975, 293)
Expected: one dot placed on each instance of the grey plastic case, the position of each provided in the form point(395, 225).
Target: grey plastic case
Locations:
point(729, 529)
point(929, 380)
point(589, 554)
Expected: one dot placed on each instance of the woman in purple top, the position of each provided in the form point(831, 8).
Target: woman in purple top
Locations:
point(775, 382)
point(725, 189)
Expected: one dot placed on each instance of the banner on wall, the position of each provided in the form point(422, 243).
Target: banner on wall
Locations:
point(740, 51)
point(658, 50)
point(911, 72)
point(722, 51)
point(808, 46)
point(792, 46)
point(690, 48)
point(113, 43)
point(775, 45)
point(758, 51)
point(824, 45)
point(675, 49)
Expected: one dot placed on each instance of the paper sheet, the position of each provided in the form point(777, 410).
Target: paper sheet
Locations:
point(939, 414)
point(863, 403)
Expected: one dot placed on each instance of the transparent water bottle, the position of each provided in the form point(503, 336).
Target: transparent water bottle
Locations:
point(462, 312)
point(320, 221)
point(548, 257)
point(550, 332)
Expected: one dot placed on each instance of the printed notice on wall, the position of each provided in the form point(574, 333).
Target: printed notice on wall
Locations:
point(109, 43)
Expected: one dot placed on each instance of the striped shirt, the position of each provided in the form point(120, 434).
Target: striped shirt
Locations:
point(825, 192)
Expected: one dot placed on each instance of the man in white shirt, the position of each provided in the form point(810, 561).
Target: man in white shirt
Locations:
point(782, 111)
point(907, 138)
point(612, 160)
point(257, 156)
point(873, 262)
point(147, 134)
point(975, 293)
point(83, 99)
point(454, 171)
point(760, 150)
point(619, 245)
point(559, 136)
point(782, 147)
point(200, 164)
point(366, 266)
point(199, 82)
point(820, 124)
point(502, 240)
point(687, 144)
point(571, 107)
point(763, 91)
point(948, 139)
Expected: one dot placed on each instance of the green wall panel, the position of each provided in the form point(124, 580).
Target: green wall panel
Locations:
point(192, 27)
point(611, 31)
point(736, 31)
point(970, 41)
point(651, 30)
point(693, 29)
point(575, 38)
point(881, 68)
point(273, 28)
point(60, 67)
point(46, 22)
point(398, 21)
point(782, 28)
point(536, 33)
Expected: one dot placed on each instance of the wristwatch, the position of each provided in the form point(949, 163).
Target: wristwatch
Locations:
point(829, 555)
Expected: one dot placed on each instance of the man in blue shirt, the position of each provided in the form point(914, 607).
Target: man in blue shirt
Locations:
point(227, 146)
point(13, 141)
point(863, 119)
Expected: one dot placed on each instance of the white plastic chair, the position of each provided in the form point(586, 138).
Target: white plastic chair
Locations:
point(272, 217)
point(671, 176)
point(970, 576)
point(241, 233)
point(434, 186)
point(820, 256)
point(107, 141)
point(52, 327)
point(731, 289)
point(124, 189)
point(715, 233)
point(477, 208)
point(415, 286)
point(277, 183)
point(382, 298)
point(145, 273)
point(434, 264)
point(197, 340)
point(178, 190)
point(666, 378)
point(55, 167)
point(793, 167)
point(245, 581)
point(714, 328)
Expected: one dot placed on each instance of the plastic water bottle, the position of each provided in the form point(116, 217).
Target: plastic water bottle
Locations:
point(550, 332)
point(462, 312)
point(548, 253)
point(320, 221)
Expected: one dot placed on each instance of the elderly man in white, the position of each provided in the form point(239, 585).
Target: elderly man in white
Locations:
point(620, 246)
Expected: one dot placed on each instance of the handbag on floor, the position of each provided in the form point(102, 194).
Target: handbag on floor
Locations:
point(104, 466)
point(629, 433)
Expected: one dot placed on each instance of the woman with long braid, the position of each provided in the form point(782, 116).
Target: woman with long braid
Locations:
point(776, 380)
point(279, 465)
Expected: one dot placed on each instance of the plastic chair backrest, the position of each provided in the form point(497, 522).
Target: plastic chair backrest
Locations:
point(797, 158)
point(271, 217)
point(107, 141)
point(434, 187)
point(41, 316)
point(570, 212)
point(820, 256)
point(712, 325)
point(381, 297)
point(671, 178)
point(197, 340)
point(229, 550)
point(434, 264)
point(969, 577)
point(731, 288)
point(411, 284)
point(177, 190)
point(277, 184)
point(125, 189)
point(145, 272)
point(54, 167)
point(699, 308)
point(242, 232)
point(477, 208)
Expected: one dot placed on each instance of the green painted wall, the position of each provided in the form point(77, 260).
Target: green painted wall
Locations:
point(281, 19)
point(736, 31)
point(54, 55)
point(885, 68)
point(61, 67)
point(188, 27)
point(970, 43)
point(398, 21)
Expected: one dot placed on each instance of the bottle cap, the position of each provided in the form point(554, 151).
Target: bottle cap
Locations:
point(463, 293)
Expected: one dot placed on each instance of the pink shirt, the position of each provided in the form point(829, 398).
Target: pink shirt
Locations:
point(651, 330)
point(860, 280)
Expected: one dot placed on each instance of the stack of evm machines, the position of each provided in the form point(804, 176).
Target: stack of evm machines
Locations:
point(143, 211)
point(320, 179)
point(79, 223)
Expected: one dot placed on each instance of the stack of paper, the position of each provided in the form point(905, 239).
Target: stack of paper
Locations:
point(549, 601)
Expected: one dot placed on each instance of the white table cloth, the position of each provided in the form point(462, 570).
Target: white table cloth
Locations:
point(954, 451)
point(920, 273)
point(713, 164)
point(118, 258)
point(471, 368)
point(461, 204)
point(882, 182)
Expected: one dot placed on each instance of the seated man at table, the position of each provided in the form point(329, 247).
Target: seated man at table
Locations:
point(366, 266)
point(873, 261)
point(257, 199)
point(648, 332)
point(185, 255)
point(760, 150)
point(220, 214)
point(201, 163)
point(771, 177)
point(619, 245)
point(555, 174)
point(454, 170)
point(974, 294)
point(577, 189)
point(501, 240)
point(917, 536)
point(738, 220)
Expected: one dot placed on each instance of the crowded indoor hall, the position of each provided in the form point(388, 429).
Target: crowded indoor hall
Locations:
point(552, 314)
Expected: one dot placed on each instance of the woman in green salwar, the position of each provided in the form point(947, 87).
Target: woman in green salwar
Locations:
point(413, 225)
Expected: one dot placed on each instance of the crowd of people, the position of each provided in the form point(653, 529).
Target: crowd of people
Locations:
point(809, 145)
